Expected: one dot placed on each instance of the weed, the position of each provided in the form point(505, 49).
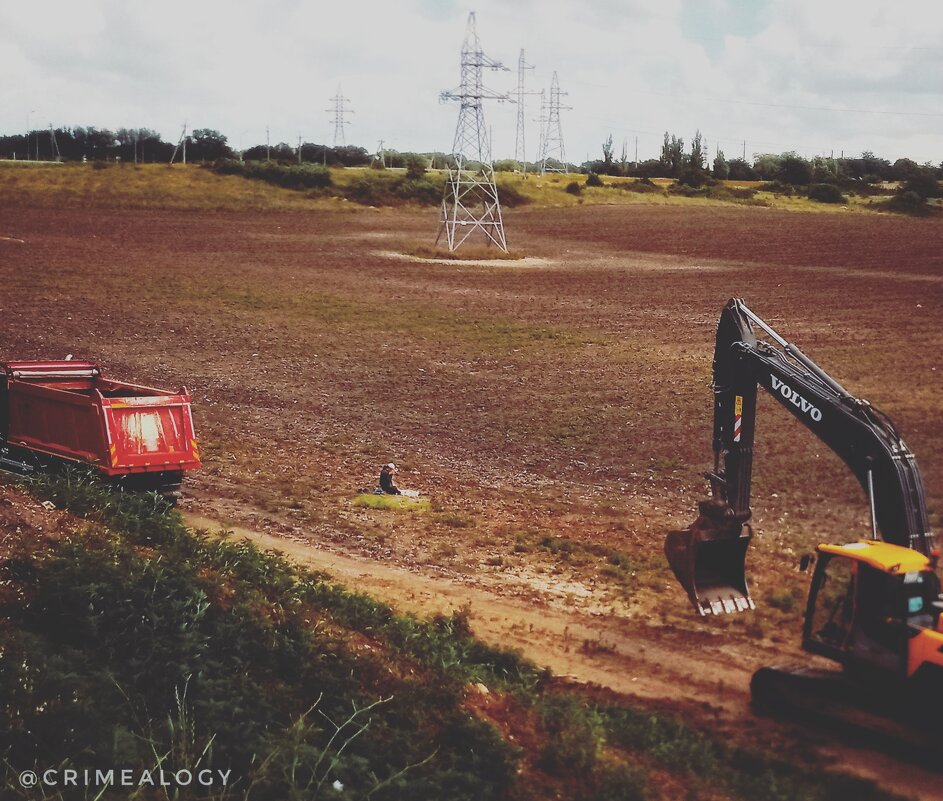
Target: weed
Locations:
point(456, 520)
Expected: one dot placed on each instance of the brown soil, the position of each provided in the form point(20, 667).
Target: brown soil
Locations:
point(557, 417)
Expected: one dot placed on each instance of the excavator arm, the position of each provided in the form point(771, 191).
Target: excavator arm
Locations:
point(708, 557)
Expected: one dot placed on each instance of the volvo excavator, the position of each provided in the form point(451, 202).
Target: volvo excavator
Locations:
point(874, 605)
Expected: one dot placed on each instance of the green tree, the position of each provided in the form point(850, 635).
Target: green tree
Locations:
point(794, 170)
point(697, 152)
point(607, 154)
point(208, 144)
point(721, 167)
point(672, 154)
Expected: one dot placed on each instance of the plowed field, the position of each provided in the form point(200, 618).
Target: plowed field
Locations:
point(555, 412)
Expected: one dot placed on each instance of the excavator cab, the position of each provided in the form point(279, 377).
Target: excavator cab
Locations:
point(709, 560)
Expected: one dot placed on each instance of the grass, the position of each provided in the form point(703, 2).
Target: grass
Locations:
point(397, 503)
point(150, 186)
point(135, 641)
point(260, 186)
point(404, 318)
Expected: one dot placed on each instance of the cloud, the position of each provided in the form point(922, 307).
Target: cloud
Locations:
point(777, 73)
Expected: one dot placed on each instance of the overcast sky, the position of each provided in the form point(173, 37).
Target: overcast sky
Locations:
point(815, 76)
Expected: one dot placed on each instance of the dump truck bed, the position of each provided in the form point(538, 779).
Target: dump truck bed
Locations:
point(69, 410)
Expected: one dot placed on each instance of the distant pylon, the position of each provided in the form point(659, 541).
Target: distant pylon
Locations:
point(470, 201)
point(182, 143)
point(541, 126)
point(553, 149)
point(340, 113)
point(56, 155)
point(520, 149)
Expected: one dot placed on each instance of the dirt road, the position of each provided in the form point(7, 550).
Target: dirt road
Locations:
point(705, 676)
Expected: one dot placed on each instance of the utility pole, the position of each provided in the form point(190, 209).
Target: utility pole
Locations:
point(182, 142)
point(56, 155)
point(31, 111)
point(520, 150)
point(340, 111)
point(299, 150)
point(470, 202)
point(268, 145)
point(636, 151)
point(553, 138)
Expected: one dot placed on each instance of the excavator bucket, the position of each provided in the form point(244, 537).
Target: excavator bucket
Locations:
point(709, 562)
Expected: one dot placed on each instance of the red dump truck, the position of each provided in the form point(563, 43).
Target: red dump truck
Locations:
point(60, 412)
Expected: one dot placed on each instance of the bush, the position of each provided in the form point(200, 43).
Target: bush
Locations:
point(617, 781)
point(908, 203)
point(574, 188)
point(574, 735)
point(923, 184)
point(289, 176)
point(694, 177)
point(415, 167)
point(826, 193)
point(777, 188)
point(594, 180)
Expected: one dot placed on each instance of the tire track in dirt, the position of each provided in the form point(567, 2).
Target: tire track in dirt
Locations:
point(706, 674)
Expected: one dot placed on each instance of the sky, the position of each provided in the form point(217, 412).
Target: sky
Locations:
point(818, 77)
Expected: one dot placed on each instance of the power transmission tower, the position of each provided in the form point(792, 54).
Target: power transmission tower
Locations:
point(470, 201)
point(520, 150)
point(182, 142)
point(56, 155)
point(541, 126)
point(340, 112)
point(553, 149)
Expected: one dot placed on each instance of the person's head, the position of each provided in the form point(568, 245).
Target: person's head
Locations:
point(391, 467)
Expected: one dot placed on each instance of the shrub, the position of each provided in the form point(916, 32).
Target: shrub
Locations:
point(694, 177)
point(574, 735)
point(777, 188)
point(415, 167)
point(923, 184)
point(574, 188)
point(617, 781)
point(826, 193)
point(594, 180)
point(908, 203)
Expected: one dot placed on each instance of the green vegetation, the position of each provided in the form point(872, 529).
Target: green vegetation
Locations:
point(399, 503)
point(159, 647)
point(134, 642)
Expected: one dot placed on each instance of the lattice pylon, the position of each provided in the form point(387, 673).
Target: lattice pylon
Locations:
point(553, 148)
point(470, 203)
point(520, 149)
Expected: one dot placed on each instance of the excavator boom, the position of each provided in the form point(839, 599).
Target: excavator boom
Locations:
point(708, 557)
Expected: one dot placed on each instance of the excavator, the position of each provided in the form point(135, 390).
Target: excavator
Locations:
point(874, 605)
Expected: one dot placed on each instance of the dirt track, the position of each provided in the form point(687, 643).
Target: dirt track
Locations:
point(707, 678)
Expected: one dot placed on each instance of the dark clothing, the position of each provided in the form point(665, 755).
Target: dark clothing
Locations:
point(386, 483)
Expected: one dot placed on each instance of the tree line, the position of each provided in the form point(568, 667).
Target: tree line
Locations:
point(694, 167)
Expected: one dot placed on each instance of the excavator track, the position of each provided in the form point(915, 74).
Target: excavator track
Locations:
point(891, 720)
